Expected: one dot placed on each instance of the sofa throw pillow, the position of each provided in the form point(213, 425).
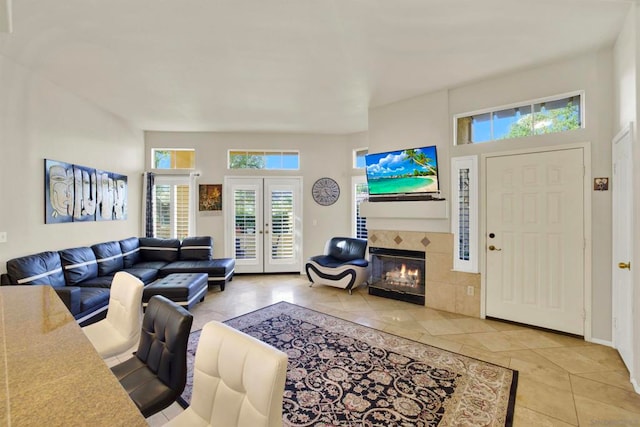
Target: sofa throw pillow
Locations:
point(154, 249)
point(196, 248)
point(109, 258)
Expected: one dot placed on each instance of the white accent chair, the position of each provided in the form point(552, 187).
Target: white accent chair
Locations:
point(120, 330)
point(238, 380)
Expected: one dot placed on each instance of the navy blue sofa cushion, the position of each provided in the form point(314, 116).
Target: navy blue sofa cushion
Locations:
point(44, 268)
point(97, 282)
point(213, 267)
point(196, 249)
point(79, 264)
point(109, 258)
point(91, 298)
point(153, 249)
point(146, 275)
point(130, 251)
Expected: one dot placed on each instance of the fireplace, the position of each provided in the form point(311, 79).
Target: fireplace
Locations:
point(398, 274)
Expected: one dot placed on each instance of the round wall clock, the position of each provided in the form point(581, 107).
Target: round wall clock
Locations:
point(325, 191)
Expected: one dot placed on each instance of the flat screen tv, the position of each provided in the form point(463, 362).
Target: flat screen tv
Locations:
point(410, 174)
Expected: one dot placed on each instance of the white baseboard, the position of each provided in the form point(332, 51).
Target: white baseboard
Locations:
point(601, 342)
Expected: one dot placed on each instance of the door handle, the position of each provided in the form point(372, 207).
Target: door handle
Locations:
point(493, 248)
point(623, 265)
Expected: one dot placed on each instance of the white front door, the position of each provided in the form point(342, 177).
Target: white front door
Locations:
point(622, 279)
point(535, 239)
point(264, 222)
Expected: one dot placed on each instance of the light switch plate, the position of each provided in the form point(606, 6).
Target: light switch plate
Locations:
point(3, 236)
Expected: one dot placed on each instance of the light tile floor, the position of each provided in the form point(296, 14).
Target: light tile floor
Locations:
point(563, 381)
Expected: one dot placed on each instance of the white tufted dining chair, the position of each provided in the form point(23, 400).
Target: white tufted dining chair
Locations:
point(120, 330)
point(238, 381)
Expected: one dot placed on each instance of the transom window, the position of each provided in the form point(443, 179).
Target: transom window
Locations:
point(537, 117)
point(358, 158)
point(264, 159)
point(173, 158)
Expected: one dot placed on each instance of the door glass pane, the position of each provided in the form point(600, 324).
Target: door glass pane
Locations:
point(362, 194)
point(245, 224)
point(162, 205)
point(463, 214)
point(282, 225)
point(181, 212)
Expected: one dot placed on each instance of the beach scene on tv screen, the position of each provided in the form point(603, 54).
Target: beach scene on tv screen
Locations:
point(404, 171)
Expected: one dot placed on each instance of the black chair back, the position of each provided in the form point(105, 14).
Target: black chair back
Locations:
point(163, 341)
point(157, 374)
point(347, 248)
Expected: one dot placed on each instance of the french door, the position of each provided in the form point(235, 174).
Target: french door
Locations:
point(535, 239)
point(263, 218)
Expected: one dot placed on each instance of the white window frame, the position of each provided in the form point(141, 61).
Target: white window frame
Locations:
point(458, 164)
point(355, 180)
point(531, 103)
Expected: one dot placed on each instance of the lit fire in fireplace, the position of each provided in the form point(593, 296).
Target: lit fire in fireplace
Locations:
point(403, 277)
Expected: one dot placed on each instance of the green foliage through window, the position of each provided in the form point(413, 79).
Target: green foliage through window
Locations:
point(272, 160)
point(549, 116)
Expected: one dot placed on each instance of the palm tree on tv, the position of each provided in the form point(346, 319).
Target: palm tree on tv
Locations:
point(421, 159)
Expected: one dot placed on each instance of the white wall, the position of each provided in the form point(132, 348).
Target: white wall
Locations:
point(416, 122)
point(428, 119)
point(320, 156)
point(626, 54)
point(40, 120)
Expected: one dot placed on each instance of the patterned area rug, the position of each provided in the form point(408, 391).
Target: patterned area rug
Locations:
point(344, 374)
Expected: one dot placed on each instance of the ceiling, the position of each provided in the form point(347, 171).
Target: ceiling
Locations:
point(313, 66)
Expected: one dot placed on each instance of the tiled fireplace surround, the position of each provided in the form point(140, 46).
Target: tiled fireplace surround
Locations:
point(445, 289)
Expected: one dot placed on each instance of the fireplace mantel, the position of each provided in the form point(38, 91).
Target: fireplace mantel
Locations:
point(430, 209)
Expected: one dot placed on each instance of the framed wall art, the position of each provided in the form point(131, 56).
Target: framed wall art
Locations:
point(210, 197)
point(75, 193)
